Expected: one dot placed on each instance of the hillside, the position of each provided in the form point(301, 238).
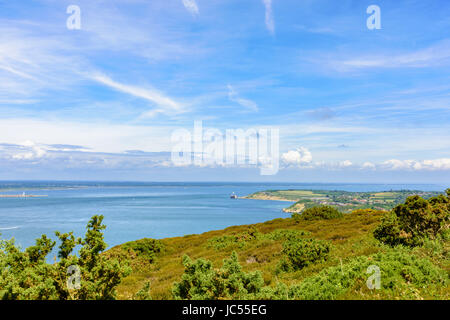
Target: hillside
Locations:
point(320, 253)
point(260, 247)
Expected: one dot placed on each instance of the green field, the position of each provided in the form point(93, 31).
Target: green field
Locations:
point(342, 200)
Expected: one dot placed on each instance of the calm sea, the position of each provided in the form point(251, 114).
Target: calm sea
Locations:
point(154, 210)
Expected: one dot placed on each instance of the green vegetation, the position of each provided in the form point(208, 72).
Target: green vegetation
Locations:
point(24, 275)
point(241, 239)
point(201, 282)
point(302, 252)
point(235, 240)
point(148, 248)
point(315, 255)
point(416, 220)
point(402, 275)
point(319, 212)
point(342, 200)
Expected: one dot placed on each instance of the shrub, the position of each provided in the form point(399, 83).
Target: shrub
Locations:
point(201, 282)
point(318, 212)
point(238, 240)
point(366, 211)
point(415, 220)
point(401, 274)
point(25, 275)
point(143, 293)
point(146, 247)
point(279, 292)
point(286, 234)
point(302, 252)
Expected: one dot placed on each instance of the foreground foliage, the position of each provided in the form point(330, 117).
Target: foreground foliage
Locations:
point(303, 252)
point(201, 282)
point(400, 272)
point(25, 275)
point(416, 220)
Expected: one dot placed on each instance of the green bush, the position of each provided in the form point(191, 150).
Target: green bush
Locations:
point(238, 240)
point(318, 212)
point(302, 252)
point(25, 275)
point(201, 282)
point(286, 234)
point(415, 220)
point(401, 274)
point(146, 247)
point(143, 293)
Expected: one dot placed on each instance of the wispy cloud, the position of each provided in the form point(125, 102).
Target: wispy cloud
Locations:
point(191, 6)
point(249, 105)
point(432, 56)
point(164, 105)
point(93, 135)
point(270, 23)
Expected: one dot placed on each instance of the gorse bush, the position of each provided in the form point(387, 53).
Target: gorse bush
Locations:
point(143, 293)
point(148, 248)
point(25, 275)
point(318, 212)
point(415, 220)
point(401, 273)
point(201, 282)
point(300, 253)
point(240, 240)
point(286, 234)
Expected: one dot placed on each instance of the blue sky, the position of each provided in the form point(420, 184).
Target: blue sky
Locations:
point(351, 104)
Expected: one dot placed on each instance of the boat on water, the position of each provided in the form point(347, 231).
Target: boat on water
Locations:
point(233, 196)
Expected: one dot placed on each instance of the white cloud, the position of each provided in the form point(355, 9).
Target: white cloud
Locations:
point(30, 63)
point(435, 55)
point(298, 157)
point(270, 24)
point(368, 165)
point(346, 163)
point(29, 150)
point(191, 6)
point(165, 105)
point(246, 103)
point(98, 136)
point(435, 164)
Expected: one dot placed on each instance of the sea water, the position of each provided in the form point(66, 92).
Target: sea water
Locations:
point(146, 210)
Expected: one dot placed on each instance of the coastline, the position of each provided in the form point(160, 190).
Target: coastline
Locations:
point(22, 196)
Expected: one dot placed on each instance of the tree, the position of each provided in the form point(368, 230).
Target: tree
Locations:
point(25, 275)
point(415, 220)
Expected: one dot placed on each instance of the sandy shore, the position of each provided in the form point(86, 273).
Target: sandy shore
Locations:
point(267, 197)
